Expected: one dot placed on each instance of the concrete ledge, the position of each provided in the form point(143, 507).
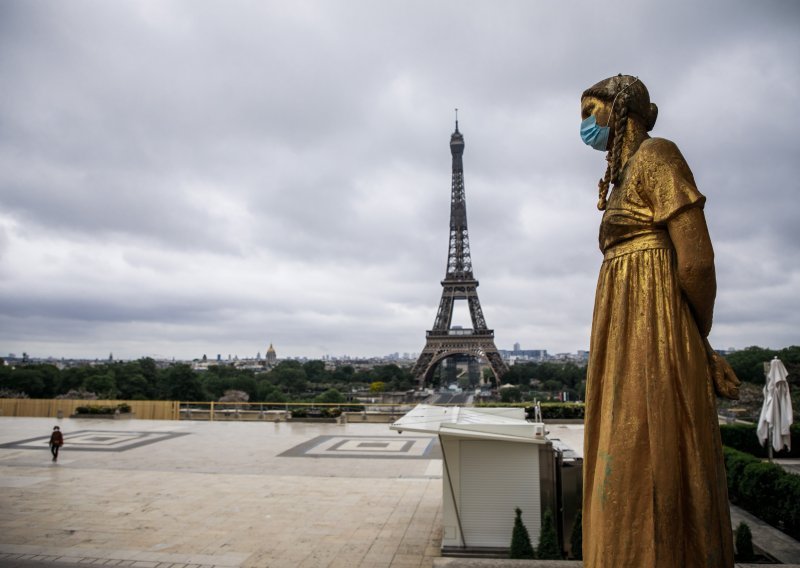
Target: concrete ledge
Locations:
point(769, 539)
point(501, 563)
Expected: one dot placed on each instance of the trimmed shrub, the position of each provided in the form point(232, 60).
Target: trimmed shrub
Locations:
point(97, 409)
point(576, 538)
point(735, 462)
point(744, 543)
point(758, 490)
point(548, 548)
point(521, 546)
point(550, 410)
point(563, 410)
point(743, 437)
point(765, 490)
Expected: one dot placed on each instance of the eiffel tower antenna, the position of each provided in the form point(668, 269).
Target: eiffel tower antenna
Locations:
point(444, 341)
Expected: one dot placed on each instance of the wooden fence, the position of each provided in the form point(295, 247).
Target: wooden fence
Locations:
point(52, 408)
point(176, 410)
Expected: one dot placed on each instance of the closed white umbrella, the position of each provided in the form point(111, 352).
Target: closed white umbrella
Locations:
point(776, 413)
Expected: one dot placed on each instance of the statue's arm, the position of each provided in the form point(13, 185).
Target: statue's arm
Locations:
point(695, 264)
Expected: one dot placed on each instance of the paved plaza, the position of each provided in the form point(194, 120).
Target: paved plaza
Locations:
point(160, 493)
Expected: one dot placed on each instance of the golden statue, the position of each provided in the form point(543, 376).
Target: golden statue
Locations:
point(655, 492)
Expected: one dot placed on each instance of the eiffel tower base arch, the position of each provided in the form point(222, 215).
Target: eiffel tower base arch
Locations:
point(440, 347)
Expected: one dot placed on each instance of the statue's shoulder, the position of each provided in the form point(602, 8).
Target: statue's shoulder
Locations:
point(660, 149)
point(659, 146)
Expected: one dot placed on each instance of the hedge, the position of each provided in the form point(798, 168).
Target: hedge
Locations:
point(765, 490)
point(743, 437)
point(550, 410)
point(96, 409)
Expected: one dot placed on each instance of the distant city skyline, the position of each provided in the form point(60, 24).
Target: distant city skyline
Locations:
point(408, 356)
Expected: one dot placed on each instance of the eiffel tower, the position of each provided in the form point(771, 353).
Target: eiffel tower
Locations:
point(444, 341)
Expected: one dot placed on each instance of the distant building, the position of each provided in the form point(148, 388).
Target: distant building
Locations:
point(272, 357)
point(524, 355)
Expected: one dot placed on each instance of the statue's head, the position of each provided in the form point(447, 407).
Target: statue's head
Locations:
point(628, 92)
point(611, 103)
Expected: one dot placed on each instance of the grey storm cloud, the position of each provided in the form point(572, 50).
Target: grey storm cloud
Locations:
point(184, 177)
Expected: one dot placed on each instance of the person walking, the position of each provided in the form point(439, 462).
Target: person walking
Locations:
point(56, 441)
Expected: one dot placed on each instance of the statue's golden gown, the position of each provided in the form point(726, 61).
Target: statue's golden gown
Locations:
point(655, 493)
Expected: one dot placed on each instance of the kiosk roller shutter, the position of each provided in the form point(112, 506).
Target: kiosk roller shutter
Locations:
point(496, 477)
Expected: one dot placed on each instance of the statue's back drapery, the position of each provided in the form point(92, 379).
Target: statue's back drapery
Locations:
point(655, 492)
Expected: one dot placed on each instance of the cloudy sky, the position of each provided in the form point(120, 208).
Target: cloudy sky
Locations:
point(189, 177)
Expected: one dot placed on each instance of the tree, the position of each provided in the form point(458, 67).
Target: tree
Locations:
point(51, 377)
point(748, 364)
point(331, 396)
point(343, 374)
point(553, 385)
point(510, 394)
point(393, 376)
point(245, 382)
point(290, 375)
point(377, 387)
point(180, 382)
point(131, 382)
point(104, 385)
point(548, 548)
point(315, 371)
point(521, 546)
point(267, 392)
point(73, 378)
point(149, 370)
point(214, 384)
point(25, 379)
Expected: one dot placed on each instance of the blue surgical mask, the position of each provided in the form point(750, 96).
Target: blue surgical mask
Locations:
point(594, 135)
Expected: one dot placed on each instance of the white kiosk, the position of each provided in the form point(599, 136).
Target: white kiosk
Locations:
point(493, 462)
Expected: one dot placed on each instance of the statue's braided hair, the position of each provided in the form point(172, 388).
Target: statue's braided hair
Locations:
point(627, 94)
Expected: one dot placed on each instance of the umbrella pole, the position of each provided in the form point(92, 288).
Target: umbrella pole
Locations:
point(769, 445)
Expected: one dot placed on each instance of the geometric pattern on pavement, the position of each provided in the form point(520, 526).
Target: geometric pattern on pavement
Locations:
point(368, 447)
point(97, 440)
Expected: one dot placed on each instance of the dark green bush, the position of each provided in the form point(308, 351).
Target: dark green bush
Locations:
point(735, 462)
point(789, 490)
point(744, 543)
point(521, 546)
point(97, 409)
point(765, 490)
point(576, 538)
point(548, 548)
point(563, 410)
point(743, 437)
point(550, 410)
point(758, 490)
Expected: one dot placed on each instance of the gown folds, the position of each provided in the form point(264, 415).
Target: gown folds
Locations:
point(655, 493)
